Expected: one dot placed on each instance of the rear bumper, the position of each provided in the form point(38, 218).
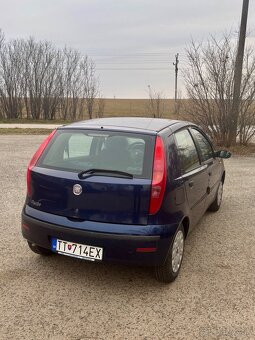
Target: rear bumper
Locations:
point(119, 247)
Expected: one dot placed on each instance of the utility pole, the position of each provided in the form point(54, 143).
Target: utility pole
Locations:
point(238, 74)
point(176, 77)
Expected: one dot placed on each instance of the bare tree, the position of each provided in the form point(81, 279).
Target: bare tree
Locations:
point(11, 73)
point(155, 105)
point(100, 106)
point(2, 37)
point(246, 119)
point(209, 82)
point(52, 89)
point(40, 81)
point(1, 46)
point(39, 59)
point(71, 84)
point(89, 85)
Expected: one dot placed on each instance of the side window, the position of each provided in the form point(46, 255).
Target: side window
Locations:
point(187, 151)
point(204, 145)
point(173, 159)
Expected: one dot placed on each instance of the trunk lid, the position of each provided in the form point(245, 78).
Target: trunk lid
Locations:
point(57, 189)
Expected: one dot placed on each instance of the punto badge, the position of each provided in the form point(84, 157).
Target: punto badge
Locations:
point(77, 189)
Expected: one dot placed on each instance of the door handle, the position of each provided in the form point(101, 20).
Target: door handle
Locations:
point(191, 184)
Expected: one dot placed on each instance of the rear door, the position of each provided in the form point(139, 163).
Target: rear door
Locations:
point(194, 174)
point(208, 159)
point(111, 196)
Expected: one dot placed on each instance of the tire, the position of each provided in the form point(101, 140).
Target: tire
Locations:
point(39, 250)
point(170, 269)
point(215, 206)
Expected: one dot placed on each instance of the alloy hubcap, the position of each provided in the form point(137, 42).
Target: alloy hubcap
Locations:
point(219, 194)
point(177, 251)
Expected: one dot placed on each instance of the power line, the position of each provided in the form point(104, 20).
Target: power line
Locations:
point(128, 55)
point(133, 62)
point(133, 69)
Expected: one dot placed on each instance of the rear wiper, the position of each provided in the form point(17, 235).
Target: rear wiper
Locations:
point(104, 172)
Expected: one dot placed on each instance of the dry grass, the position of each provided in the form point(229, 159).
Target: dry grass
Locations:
point(242, 150)
point(20, 131)
point(34, 121)
point(113, 108)
point(135, 107)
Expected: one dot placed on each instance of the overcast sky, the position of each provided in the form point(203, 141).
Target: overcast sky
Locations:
point(133, 42)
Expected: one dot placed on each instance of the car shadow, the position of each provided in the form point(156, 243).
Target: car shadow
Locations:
point(95, 274)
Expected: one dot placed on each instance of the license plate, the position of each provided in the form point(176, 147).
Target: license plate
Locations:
point(73, 249)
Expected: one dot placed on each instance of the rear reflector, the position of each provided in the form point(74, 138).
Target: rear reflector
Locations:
point(159, 177)
point(24, 226)
point(35, 158)
point(146, 250)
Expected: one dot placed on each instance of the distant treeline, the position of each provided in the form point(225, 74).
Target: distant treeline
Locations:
point(40, 81)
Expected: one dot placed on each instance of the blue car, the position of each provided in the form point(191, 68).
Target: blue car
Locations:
point(122, 189)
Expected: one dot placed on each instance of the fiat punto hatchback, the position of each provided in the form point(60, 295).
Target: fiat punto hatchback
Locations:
point(122, 189)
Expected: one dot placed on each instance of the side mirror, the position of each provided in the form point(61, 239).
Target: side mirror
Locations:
point(222, 154)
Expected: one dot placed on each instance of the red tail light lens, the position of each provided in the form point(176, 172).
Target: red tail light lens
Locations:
point(159, 177)
point(146, 250)
point(35, 158)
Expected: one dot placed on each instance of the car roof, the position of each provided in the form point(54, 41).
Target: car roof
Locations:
point(140, 124)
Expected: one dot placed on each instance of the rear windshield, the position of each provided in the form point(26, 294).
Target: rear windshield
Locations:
point(78, 150)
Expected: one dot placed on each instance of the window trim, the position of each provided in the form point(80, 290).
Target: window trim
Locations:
point(184, 173)
point(198, 146)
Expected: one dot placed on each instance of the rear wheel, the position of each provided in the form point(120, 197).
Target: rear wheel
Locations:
point(215, 206)
point(170, 270)
point(39, 250)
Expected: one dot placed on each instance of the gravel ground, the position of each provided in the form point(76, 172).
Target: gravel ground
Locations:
point(64, 298)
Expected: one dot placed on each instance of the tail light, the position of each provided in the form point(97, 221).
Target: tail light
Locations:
point(159, 177)
point(35, 158)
